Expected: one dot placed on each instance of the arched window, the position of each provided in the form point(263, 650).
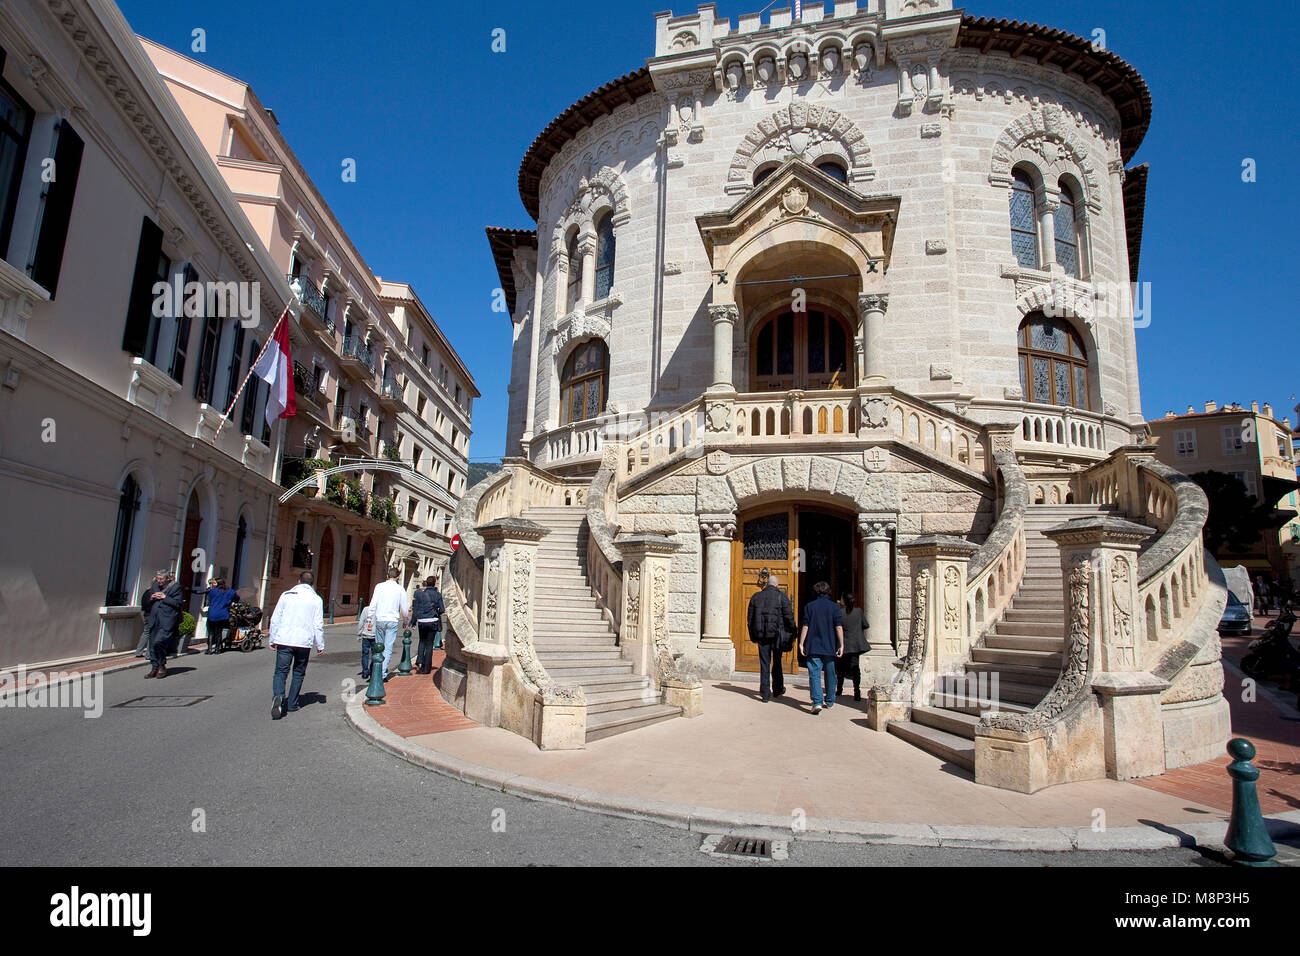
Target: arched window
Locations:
point(604, 256)
point(120, 572)
point(1024, 222)
point(834, 170)
point(575, 270)
point(801, 350)
point(1065, 226)
point(584, 382)
point(1053, 363)
point(763, 172)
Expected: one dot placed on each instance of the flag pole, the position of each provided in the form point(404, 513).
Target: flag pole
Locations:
point(234, 401)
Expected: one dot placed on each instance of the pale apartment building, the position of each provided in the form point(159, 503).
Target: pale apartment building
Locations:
point(1256, 448)
point(379, 386)
point(110, 396)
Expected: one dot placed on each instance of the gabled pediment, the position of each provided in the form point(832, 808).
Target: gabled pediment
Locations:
point(799, 203)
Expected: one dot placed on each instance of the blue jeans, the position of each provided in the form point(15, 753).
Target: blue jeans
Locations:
point(821, 670)
point(367, 648)
point(284, 657)
point(386, 631)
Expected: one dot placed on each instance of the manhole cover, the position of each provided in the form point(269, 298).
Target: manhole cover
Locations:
point(745, 847)
point(163, 701)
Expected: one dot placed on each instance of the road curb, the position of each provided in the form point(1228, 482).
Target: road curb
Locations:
point(714, 820)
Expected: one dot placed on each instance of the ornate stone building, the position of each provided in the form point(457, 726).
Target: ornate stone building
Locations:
point(844, 297)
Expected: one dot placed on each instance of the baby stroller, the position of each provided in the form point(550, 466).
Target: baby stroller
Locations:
point(244, 633)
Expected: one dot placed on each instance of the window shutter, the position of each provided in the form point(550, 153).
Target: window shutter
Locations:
point(57, 211)
point(182, 327)
point(139, 308)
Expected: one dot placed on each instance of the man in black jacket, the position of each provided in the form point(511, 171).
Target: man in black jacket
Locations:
point(771, 625)
point(164, 625)
point(427, 612)
point(146, 605)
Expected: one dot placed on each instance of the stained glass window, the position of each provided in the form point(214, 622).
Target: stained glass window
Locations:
point(575, 271)
point(1067, 235)
point(584, 382)
point(767, 538)
point(604, 256)
point(1052, 354)
point(1024, 223)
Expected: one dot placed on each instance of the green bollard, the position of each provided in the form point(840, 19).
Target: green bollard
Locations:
point(404, 668)
point(375, 692)
point(1247, 836)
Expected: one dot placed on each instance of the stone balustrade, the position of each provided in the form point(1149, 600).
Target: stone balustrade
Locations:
point(942, 433)
point(1078, 431)
point(604, 563)
point(670, 435)
point(997, 568)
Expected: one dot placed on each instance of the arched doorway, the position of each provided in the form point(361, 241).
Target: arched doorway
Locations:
point(186, 574)
point(325, 569)
point(800, 543)
point(366, 575)
point(811, 349)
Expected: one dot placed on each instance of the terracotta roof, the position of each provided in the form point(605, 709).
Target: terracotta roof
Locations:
point(504, 242)
point(1135, 207)
point(1075, 56)
point(601, 102)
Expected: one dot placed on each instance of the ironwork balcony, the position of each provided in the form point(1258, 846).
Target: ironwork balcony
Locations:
point(390, 395)
point(356, 358)
point(311, 297)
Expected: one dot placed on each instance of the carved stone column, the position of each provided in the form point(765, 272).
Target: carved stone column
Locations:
point(1106, 549)
point(877, 531)
point(871, 309)
point(562, 267)
point(1049, 200)
point(715, 641)
point(944, 627)
point(587, 249)
point(647, 569)
point(534, 336)
point(724, 323)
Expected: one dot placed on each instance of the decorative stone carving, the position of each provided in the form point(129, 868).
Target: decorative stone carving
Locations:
point(1074, 673)
point(931, 130)
point(914, 660)
point(577, 326)
point(794, 200)
point(1121, 629)
point(876, 459)
point(1048, 139)
point(491, 577)
point(718, 527)
point(631, 612)
point(665, 665)
point(876, 527)
point(936, 247)
point(672, 268)
point(940, 372)
point(1110, 409)
point(724, 313)
point(875, 412)
point(1012, 393)
point(952, 601)
point(872, 302)
point(805, 131)
point(718, 417)
point(718, 462)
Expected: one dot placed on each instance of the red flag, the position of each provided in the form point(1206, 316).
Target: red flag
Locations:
point(275, 368)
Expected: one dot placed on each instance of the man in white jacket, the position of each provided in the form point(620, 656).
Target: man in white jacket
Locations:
point(297, 624)
point(392, 608)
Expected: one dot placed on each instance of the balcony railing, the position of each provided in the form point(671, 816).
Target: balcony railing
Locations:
point(1073, 429)
point(391, 392)
point(311, 296)
point(357, 350)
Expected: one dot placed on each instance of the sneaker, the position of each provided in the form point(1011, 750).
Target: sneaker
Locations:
point(829, 706)
point(277, 708)
point(817, 709)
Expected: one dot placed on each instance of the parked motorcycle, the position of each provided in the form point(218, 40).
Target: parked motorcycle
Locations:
point(1273, 653)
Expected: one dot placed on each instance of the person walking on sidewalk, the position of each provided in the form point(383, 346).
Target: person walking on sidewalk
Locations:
point(220, 598)
point(366, 635)
point(164, 624)
point(427, 611)
point(855, 645)
point(297, 624)
point(392, 610)
point(770, 621)
point(822, 640)
point(146, 606)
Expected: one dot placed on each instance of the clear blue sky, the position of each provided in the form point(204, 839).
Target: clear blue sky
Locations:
point(438, 123)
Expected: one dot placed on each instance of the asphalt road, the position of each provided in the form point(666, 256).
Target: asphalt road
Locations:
point(218, 782)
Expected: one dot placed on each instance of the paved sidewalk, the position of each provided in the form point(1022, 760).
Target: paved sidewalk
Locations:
point(772, 766)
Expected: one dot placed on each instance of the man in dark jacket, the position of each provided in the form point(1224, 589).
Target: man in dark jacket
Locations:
point(822, 641)
point(146, 605)
point(164, 624)
point(771, 624)
point(427, 612)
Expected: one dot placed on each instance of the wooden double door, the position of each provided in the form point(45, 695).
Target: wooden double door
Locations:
point(801, 544)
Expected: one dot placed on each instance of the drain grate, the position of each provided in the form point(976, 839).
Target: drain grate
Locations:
point(741, 847)
point(163, 701)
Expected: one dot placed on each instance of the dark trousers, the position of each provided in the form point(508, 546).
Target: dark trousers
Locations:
point(217, 634)
point(848, 667)
point(429, 634)
point(160, 646)
point(769, 669)
point(367, 649)
point(284, 657)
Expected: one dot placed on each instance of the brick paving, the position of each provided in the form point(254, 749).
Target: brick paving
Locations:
point(413, 707)
point(1275, 732)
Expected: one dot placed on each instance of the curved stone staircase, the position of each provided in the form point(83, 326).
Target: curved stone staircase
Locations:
point(1022, 653)
point(574, 641)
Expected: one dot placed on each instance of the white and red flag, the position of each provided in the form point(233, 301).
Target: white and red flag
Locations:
point(275, 368)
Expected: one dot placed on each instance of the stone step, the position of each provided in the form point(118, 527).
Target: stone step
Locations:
point(1031, 628)
point(610, 701)
point(975, 705)
point(1031, 676)
point(1041, 602)
point(1007, 691)
point(950, 721)
point(1023, 643)
point(604, 683)
point(566, 657)
point(575, 613)
point(956, 750)
point(1028, 614)
point(620, 721)
point(577, 672)
point(570, 644)
point(1017, 656)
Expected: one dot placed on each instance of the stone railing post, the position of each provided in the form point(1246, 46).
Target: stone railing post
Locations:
point(647, 570)
point(1106, 549)
point(509, 552)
